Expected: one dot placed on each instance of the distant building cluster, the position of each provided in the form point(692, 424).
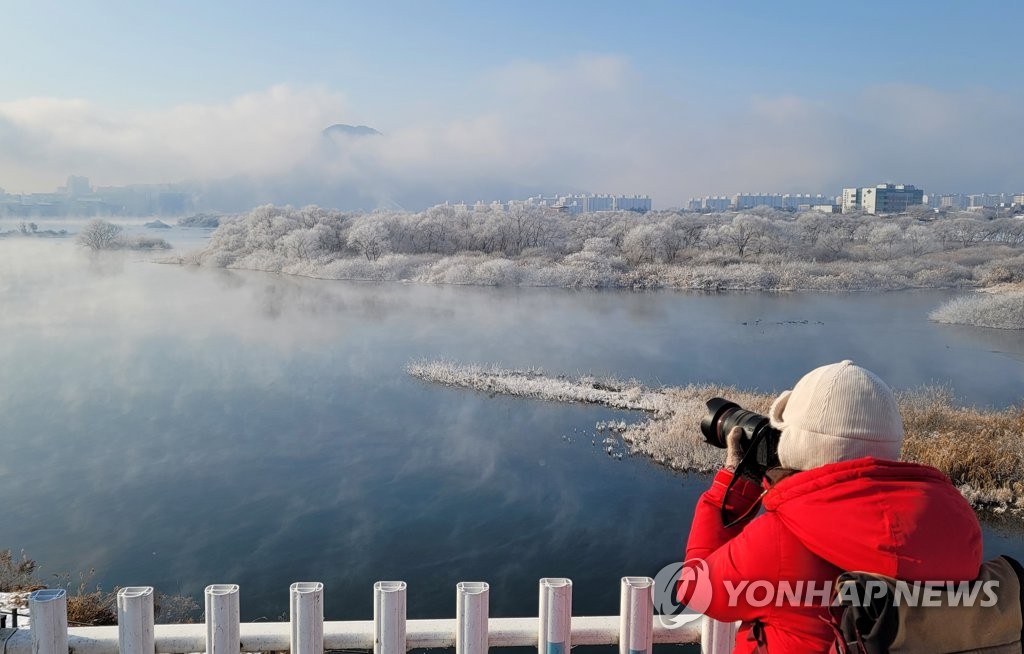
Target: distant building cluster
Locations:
point(782, 201)
point(79, 198)
point(571, 204)
point(974, 201)
point(885, 198)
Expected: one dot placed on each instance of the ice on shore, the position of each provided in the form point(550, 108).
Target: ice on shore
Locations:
point(534, 384)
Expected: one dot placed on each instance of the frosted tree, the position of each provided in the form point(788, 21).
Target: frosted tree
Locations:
point(744, 231)
point(1010, 230)
point(679, 234)
point(370, 238)
point(885, 239)
point(919, 240)
point(100, 235)
point(640, 244)
point(301, 244)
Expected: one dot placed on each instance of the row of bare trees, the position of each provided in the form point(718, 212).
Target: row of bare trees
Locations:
point(314, 234)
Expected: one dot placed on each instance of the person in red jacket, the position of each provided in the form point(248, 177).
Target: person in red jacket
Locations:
point(840, 502)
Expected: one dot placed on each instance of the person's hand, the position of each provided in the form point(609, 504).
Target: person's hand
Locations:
point(734, 451)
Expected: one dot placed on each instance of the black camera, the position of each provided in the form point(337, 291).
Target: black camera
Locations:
point(760, 442)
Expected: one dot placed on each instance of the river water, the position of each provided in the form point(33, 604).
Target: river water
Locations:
point(178, 427)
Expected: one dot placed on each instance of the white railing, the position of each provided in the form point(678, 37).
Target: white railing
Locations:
point(554, 631)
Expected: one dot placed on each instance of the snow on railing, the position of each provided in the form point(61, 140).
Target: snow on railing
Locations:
point(473, 631)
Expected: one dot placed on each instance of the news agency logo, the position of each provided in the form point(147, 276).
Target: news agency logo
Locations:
point(691, 579)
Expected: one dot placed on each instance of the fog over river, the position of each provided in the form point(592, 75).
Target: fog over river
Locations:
point(180, 426)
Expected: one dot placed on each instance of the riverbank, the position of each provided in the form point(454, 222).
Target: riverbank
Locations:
point(982, 451)
point(582, 270)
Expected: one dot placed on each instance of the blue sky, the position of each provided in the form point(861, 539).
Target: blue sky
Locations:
point(427, 69)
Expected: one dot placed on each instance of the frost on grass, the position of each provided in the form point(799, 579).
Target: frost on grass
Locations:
point(669, 435)
point(997, 310)
point(532, 383)
point(981, 451)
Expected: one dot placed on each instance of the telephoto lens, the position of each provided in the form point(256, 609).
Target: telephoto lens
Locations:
point(758, 434)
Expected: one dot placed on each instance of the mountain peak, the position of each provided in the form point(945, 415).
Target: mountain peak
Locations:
point(341, 129)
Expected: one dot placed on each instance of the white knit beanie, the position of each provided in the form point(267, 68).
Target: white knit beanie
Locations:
point(836, 413)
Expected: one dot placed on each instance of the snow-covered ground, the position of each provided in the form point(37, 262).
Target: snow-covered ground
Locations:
point(11, 602)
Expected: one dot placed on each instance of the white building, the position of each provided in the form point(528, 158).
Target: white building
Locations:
point(801, 202)
point(851, 199)
point(77, 186)
point(639, 203)
point(717, 203)
point(581, 203)
point(981, 200)
point(753, 200)
point(568, 203)
point(953, 201)
point(890, 198)
point(882, 198)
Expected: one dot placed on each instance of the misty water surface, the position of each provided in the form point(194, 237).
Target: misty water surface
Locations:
point(179, 427)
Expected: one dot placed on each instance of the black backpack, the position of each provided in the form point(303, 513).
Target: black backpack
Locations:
point(874, 614)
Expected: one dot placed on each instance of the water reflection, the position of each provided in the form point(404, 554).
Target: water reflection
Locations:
point(180, 426)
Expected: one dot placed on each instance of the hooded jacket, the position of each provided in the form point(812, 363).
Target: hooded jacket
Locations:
point(903, 520)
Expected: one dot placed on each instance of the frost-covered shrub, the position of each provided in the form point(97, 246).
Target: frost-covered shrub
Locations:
point(643, 277)
point(267, 261)
point(218, 258)
point(945, 275)
point(997, 310)
point(1006, 271)
point(142, 242)
point(595, 267)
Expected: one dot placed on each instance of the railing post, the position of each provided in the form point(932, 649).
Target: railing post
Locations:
point(636, 615)
point(554, 627)
point(717, 637)
point(222, 617)
point(135, 620)
point(306, 600)
point(389, 614)
point(471, 617)
point(48, 610)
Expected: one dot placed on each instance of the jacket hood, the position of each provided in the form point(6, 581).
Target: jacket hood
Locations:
point(903, 520)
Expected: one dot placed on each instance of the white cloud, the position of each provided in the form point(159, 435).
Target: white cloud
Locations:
point(593, 122)
point(263, 133)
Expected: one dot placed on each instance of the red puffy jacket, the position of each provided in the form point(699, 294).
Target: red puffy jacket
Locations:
point(899, 519)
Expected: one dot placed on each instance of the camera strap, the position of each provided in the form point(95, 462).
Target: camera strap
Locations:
point(740, 471)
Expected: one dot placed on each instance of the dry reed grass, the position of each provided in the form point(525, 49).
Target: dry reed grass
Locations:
point(87, 605)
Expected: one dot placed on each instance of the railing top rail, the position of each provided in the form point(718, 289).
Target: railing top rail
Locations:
point(357, 635)
point(553, 630)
